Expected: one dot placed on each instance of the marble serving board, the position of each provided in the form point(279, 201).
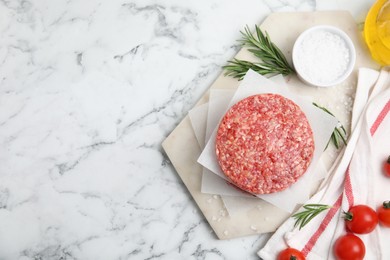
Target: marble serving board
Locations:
point(183, 150)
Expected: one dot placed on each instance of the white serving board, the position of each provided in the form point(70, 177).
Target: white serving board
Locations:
point(183, 149)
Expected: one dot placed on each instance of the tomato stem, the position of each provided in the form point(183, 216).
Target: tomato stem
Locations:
point(293, 257)
point(348, 216)
point(388, 159)
point(386, 204)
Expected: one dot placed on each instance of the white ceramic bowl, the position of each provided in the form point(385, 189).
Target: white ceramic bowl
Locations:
point(304, 40)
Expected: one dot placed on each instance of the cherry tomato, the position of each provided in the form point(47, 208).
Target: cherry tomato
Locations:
point(290, 254)
point(349, 247)
point(361, 219)
point(386, 167)
point(384, 214)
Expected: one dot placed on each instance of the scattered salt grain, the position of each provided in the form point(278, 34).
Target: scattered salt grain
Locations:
point(222, 212)
point(226, 232)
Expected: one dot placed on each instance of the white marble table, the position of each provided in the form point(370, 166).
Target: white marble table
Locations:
point(88, 91)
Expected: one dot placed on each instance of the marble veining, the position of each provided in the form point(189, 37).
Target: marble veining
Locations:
point(88, 91)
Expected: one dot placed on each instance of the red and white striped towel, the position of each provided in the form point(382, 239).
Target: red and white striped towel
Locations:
point(355, 178)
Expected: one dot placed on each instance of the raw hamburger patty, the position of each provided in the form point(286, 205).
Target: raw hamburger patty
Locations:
point(264, 143)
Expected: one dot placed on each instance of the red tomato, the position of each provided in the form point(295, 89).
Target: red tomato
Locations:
point(384, 214)
point(361, 219)
point(386, 167)
point(349, 247)
point(290, 254)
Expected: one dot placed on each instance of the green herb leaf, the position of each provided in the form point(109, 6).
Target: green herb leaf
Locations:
point(310, 212)
point(339, 134)
point(260, 45)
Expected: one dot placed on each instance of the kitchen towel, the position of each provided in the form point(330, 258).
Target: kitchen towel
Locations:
point(355, 178)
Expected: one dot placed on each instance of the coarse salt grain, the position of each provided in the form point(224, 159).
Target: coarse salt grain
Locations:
point(323, 57)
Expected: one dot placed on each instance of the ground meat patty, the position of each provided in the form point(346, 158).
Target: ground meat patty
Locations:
point(264, 143)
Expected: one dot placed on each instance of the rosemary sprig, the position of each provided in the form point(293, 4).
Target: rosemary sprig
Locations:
point(311, 210)
point(339, 133)
point(260, 45)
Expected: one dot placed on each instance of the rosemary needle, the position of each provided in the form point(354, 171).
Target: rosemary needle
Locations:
point(260, 45)
point(238, 68)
